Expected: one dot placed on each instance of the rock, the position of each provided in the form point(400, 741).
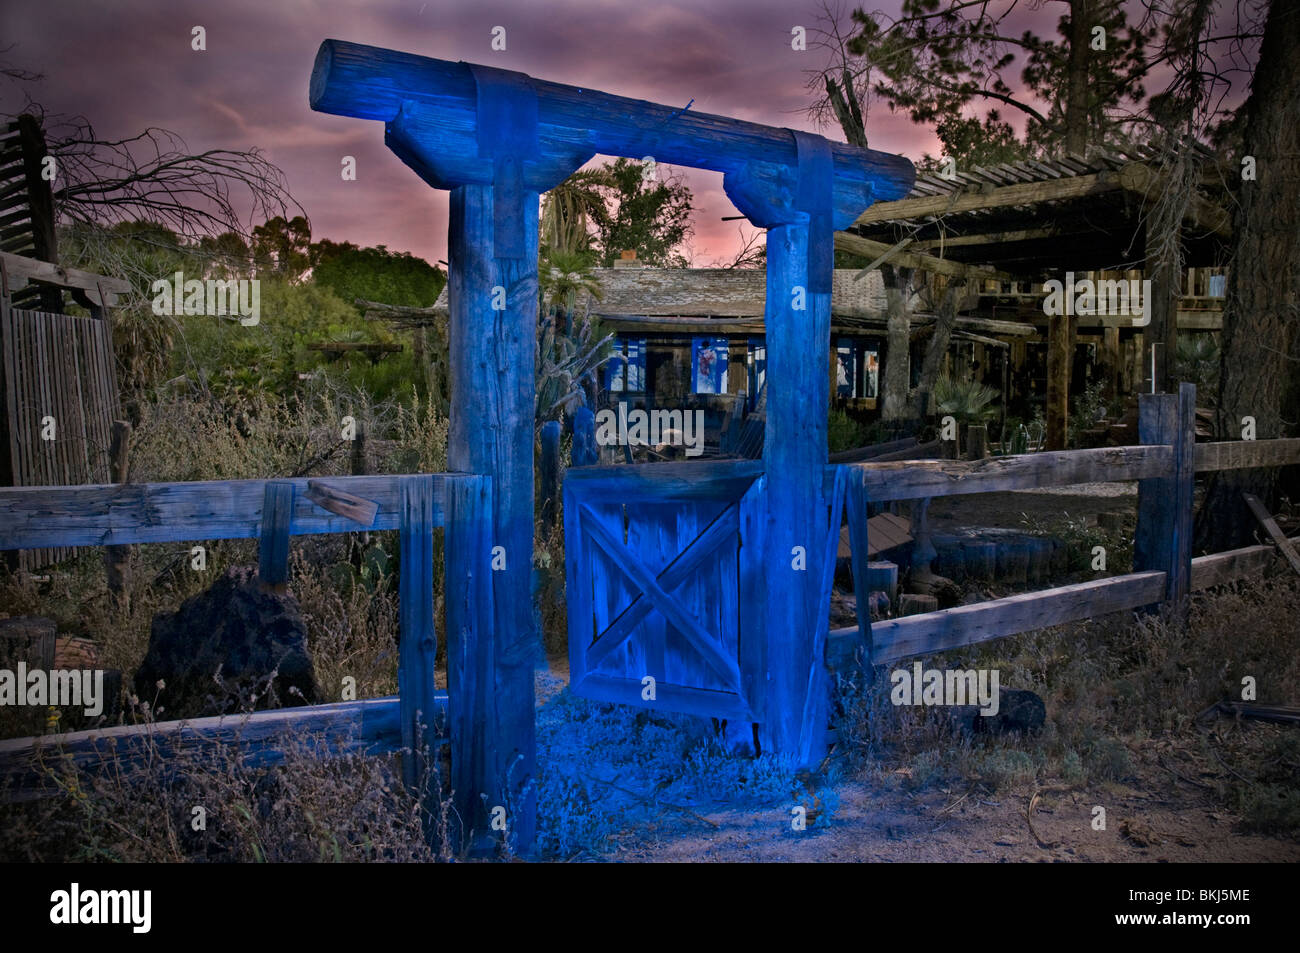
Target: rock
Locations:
point(1019, 711)
point(256, 639)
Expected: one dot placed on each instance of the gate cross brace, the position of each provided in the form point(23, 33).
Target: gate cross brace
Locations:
point(656, 596)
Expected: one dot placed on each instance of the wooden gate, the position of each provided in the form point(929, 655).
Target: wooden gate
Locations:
point(662, 562)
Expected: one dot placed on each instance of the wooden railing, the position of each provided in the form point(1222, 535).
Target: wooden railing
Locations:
point(1165, 571)
point(272, 511)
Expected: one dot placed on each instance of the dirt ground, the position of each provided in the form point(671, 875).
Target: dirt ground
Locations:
point(1161, 821)
point(1166, 810)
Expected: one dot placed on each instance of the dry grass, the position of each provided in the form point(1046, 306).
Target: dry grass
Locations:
point(1122, 696)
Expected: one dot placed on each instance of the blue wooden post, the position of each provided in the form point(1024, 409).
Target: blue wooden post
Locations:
point(472, 703)
point(550, 471)
point(1164, 529)
point(493, 303)
point(800, 264)
point(584, 452)
point(419, 643)
point(273, 549)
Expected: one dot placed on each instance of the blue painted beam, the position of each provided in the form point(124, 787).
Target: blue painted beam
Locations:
point(431, 107)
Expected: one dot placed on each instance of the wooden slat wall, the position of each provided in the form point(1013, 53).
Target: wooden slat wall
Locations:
point(61, 366)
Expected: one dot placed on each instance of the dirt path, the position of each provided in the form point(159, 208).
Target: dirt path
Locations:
point(1157, 824)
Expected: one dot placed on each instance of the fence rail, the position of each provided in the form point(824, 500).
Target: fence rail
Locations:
point(1165, 572)
point(272, 511)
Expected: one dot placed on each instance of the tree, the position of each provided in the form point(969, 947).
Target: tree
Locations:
point(938, 59)
point(153, 176)
point(642, 212)
point(1261, 324)
point(375, 274)
point(283, 246)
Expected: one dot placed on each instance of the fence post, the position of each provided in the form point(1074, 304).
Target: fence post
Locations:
point(857, 501)
point(418, 641)
point(584, 452)
point(1164, 529)
point(550, 470)
point(476, 778)
point(273, 550)
point(117, 559)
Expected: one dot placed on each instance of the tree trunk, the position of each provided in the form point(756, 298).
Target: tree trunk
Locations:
point(898, 365)
point(1076, 90)
point(1258, 376)
point(944, 319)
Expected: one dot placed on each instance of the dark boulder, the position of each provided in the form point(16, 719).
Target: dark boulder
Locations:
point(255, 639)
point(1019, 712)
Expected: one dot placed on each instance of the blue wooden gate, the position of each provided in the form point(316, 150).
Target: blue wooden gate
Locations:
point(661, 586)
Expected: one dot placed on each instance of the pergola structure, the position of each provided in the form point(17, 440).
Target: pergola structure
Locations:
point(1032, 220)
point(498, 139)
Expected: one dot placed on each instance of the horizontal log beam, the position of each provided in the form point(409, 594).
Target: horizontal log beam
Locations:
point(1026, 193)
point(19, 270)
point(431, 107)
point(879, 251)
point(370, 726)
point(1246, 454)
point(931, 632)
point(913, 480)
point(120, 514)
point(1218, 569)
point(1141, 179)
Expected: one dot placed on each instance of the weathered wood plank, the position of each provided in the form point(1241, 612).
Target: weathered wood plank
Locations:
point(21, 270)
point(1270, 526)
point(955, 201)
point(418, 643)
point(370, 726)
point(690, 701)
point(666, 482)
point(584, 452)
point(342, 503)
point(1245, 454)
point(727, 524)
point(1163, 538)
point(105, 515)
point(273, 550)
point(861, 557)
point(690, 628)
point(1218, 569)
point(910, 480)
point(366, 82)
point(931, 632)
point(471, 663)
point(494, 351)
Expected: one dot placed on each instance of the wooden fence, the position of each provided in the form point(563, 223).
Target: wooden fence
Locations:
point(1164, 570)
point(272, 511)
point(58, 389)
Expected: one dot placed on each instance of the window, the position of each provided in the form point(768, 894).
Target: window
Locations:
point(756, 366)
point(709, 365)
point(627, 375)
point(857, 371)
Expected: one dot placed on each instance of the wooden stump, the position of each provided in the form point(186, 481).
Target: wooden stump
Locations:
point(977, 438)
point(913, 604)
point(1013, 561)
point(980, 557)
point(1040, 566)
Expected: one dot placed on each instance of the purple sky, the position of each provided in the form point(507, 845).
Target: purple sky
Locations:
point(128, 64)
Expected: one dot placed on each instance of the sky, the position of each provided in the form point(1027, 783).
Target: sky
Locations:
point(129, 64)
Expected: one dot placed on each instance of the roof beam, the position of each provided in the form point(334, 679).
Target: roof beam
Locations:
point(868, 248)
point(1022, 193)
